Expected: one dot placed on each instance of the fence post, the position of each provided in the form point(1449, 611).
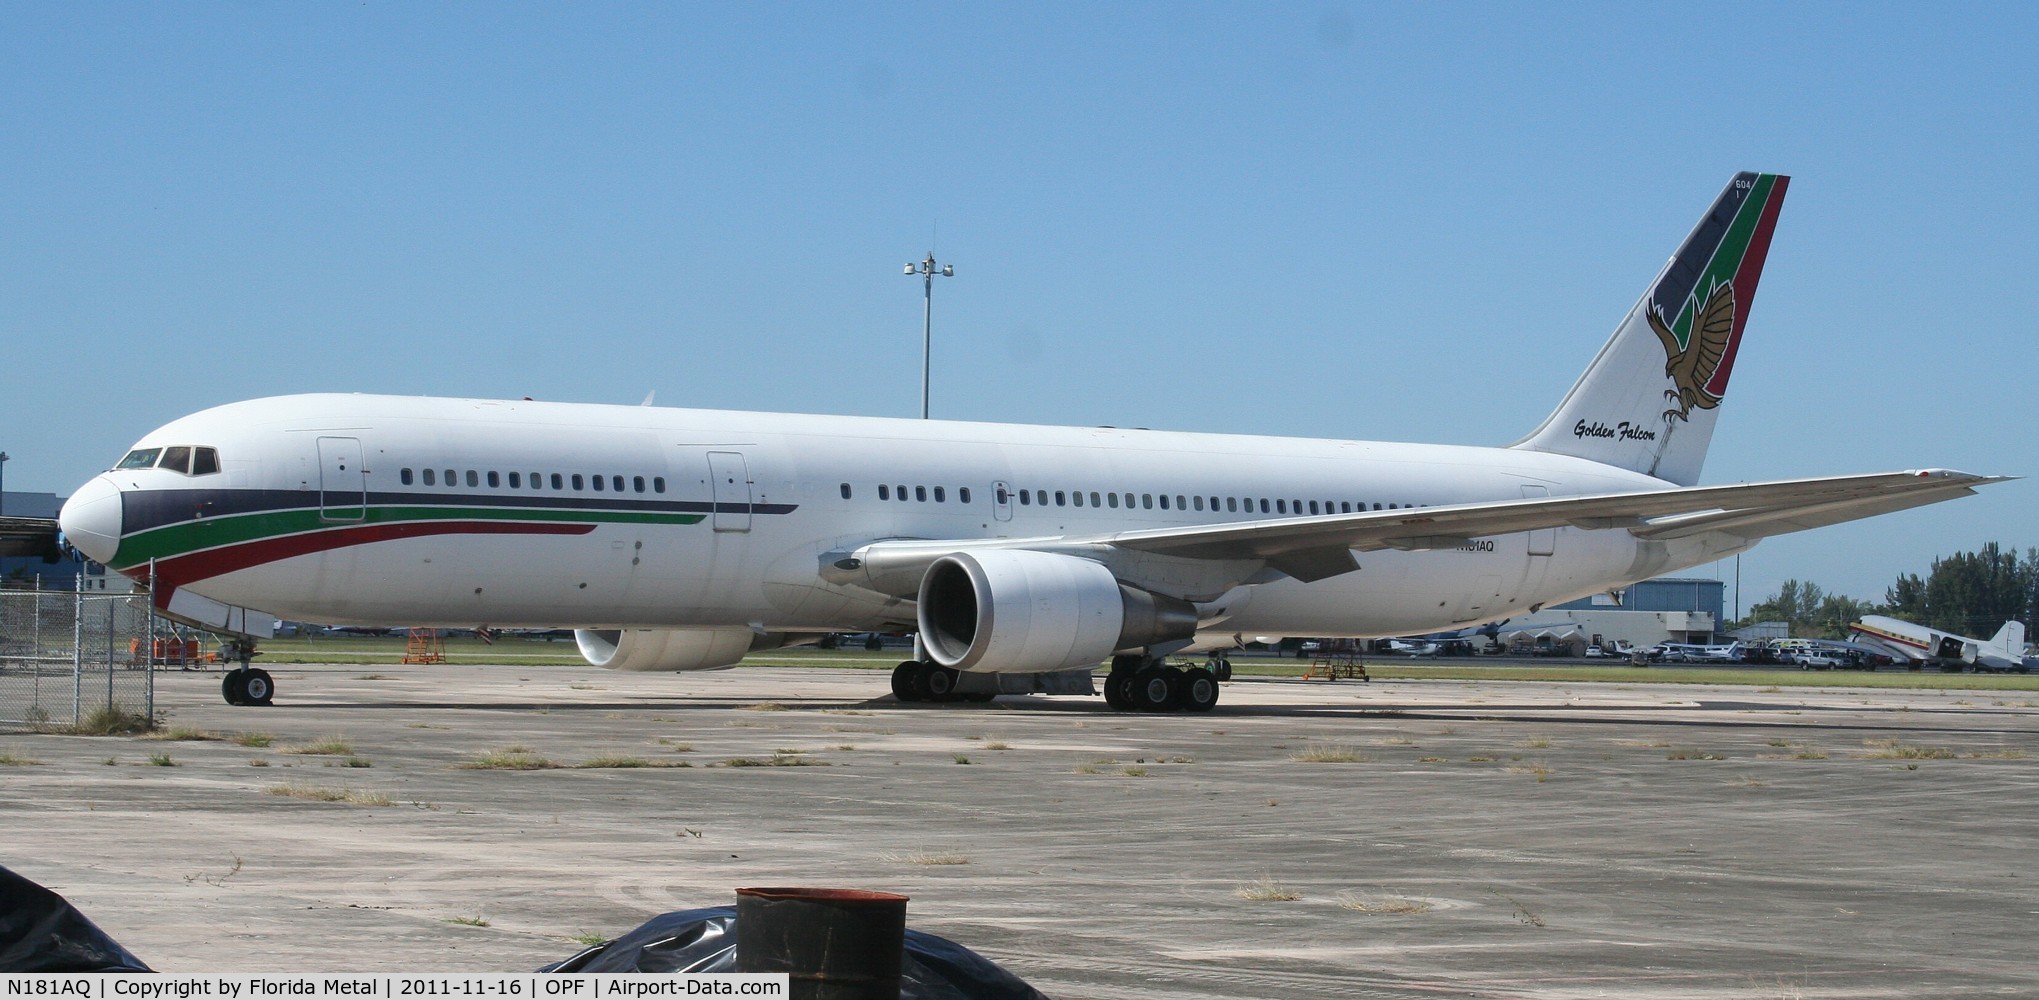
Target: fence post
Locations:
point(111, 630)
point(78, 654)
point(149, 663)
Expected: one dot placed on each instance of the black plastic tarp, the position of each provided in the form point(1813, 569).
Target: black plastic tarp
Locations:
point(42, 932)
point(704, 940)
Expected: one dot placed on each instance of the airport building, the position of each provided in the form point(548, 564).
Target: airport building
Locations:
point(31, 573)
point(1670, 609)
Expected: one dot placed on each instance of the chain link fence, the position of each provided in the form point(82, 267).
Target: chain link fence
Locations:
point(65, 656)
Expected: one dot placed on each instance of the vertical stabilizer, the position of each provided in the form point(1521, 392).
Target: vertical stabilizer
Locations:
point(2009, 640)
point(1649, 400)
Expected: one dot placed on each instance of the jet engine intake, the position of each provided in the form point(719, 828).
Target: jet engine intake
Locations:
point(665, 649)
point(1019, 611)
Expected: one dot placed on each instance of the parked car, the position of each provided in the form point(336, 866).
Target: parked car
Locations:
point(1820, 659)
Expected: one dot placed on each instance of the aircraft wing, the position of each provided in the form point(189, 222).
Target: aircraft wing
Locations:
point(1313, 548)
point(1319, 547)
point(29, 536)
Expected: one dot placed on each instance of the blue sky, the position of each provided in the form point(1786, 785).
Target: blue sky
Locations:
point(1410, 222)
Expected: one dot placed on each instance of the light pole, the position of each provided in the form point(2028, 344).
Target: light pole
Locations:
point(927, 269)
point(3, 481)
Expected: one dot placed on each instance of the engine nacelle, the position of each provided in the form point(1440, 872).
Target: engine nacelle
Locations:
point(665, 649)
point(1013, 610)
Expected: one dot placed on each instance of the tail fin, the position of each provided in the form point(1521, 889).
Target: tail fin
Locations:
point(1649, 400)
point(2009, 640)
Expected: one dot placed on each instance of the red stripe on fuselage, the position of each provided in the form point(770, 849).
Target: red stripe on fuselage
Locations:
point(182, 570)
point(1745, 283)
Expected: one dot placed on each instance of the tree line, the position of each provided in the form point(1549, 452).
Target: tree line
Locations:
point(1970, 593)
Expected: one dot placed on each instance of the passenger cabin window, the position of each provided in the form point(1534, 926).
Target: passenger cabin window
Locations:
point(963, 493)
point(1061, 499)
point(473, 479)
point(578, 483)
point(495, 480)
point(404, 477)
point(1093, 500)
point(920, 493)
point(537, 481)
point(1025, 498)
point(846, 491)
point(884, 492)
point(636, 484)
point(598, 483)
point(617, 482)
point(429, 477)
point(516, 483)
point(658, 484)
point(557, 482)
point(940, 496)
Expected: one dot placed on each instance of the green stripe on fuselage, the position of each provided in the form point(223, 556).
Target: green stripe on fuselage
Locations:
point(213, 532)
point(1727, 257)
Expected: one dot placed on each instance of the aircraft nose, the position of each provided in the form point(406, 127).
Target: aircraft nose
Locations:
point(91, 519)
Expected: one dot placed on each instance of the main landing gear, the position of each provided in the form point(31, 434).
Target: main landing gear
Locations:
point(245, 685)
point(915, 680)
point(1148, 684)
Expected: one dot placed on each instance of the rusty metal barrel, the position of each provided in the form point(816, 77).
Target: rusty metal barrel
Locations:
point(833, 944)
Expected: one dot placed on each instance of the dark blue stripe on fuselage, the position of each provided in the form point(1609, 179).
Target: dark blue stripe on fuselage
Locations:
point(145, 509)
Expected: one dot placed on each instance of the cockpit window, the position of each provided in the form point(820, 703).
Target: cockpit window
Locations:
point(183, 459)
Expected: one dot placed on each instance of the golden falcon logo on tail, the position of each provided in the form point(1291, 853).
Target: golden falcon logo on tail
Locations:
point(1691, 367)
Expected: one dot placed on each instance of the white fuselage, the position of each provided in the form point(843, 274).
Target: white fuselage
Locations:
point(776, 492)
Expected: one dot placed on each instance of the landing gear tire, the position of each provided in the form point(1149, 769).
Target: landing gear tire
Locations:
point(1222, 669)
point(1199, 690)
point(1156, 689)
point(247, 686)
point(260, 688)
point(1118, 690)
point(937, 683)
point(906, 681)
point(1118, 683)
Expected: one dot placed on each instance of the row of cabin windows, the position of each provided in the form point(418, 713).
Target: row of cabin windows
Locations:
point(1229, 505)
point(576, 481)
point(914, 494)
point(1144, 501)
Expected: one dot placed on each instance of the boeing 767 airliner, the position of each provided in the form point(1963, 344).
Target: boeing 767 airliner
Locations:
point(676, 539)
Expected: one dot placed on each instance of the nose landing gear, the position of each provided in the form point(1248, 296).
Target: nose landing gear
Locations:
point(245, 685)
